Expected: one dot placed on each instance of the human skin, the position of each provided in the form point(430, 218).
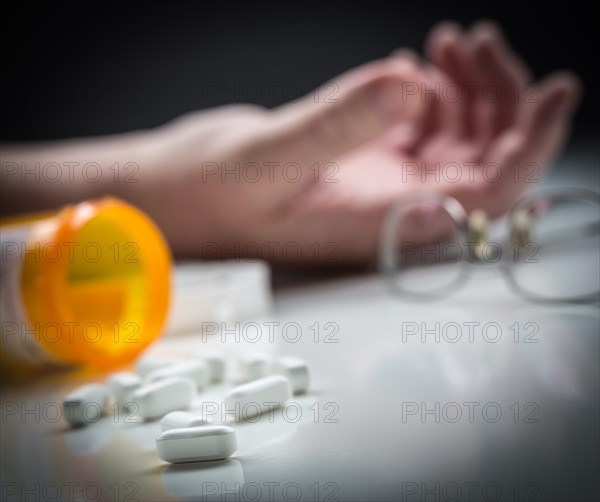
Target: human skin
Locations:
point(378, 140)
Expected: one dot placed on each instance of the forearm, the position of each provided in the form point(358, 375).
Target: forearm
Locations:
point(41, 176)
point(145, 168)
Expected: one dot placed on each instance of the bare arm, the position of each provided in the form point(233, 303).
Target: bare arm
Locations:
point(43, 176)
point(220, 177)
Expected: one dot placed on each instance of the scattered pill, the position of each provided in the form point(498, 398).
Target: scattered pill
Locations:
point(150, 363)
point(295, 369)
point(215, 361)
point(158, 398)
point(194, 444)
point(85, 404)
point(195, 370)
point(180, 419)
point(254, 366)
point(259, 396)
point(122, 385)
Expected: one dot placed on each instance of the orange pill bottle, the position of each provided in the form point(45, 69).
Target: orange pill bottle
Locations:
point(89, 284)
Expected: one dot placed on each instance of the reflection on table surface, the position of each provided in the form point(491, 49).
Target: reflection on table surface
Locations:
point(482, 395)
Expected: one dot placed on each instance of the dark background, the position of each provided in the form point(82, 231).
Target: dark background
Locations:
point(70, 70)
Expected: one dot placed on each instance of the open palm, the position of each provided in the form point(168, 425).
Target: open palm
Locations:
point(488, 133)
point(468, 122)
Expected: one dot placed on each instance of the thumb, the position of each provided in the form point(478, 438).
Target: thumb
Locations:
point(319, 128)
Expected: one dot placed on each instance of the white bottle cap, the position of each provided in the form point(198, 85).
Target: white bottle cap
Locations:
point(218, 292)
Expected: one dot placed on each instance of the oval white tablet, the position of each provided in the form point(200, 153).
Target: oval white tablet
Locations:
point(85, 404)
point(150, 363)
point(257, 397)
point(254, 366)
point(295, 369)
point(194, 444)
point(195, 370)
point(180, 419)
point(122, 385)
point(158, 398)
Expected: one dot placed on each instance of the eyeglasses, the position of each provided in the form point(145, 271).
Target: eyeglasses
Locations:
point(429, 246)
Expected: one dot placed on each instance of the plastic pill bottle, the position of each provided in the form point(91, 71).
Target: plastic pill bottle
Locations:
point(89, 284)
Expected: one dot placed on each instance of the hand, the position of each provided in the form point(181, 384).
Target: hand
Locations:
point(380, 141)
point(311, 180)
point(238, 180)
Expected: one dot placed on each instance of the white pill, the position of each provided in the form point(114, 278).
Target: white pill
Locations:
point(259, 396)
point(194, 444)
point(216, 363)
point(195, 370)
point(180, 419)
point(158, 398)
point(254, 366)
point(295, 369)
point(85, 404)
point(122, 385)
point(150, 363)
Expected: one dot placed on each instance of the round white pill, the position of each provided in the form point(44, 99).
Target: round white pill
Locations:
point(122, 385)
point(194, 444)
point(259, 396)
point(295, 369)
point(195, 370)
point(158, 398)
point(85, 404)
point(180, 419)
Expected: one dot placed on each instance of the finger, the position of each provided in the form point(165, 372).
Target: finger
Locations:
point(551, 107)
point(545, 126)
point(503, 76)
point(445, 112)
point(520, 69)
point(448, 49)
point(521, 153)
point(406, 135)
point(440, 49)
point(442, 114)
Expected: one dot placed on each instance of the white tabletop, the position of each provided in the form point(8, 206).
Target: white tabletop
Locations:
point(398, 408)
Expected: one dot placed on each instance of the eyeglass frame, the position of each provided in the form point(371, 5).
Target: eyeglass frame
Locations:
point(389, 258)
